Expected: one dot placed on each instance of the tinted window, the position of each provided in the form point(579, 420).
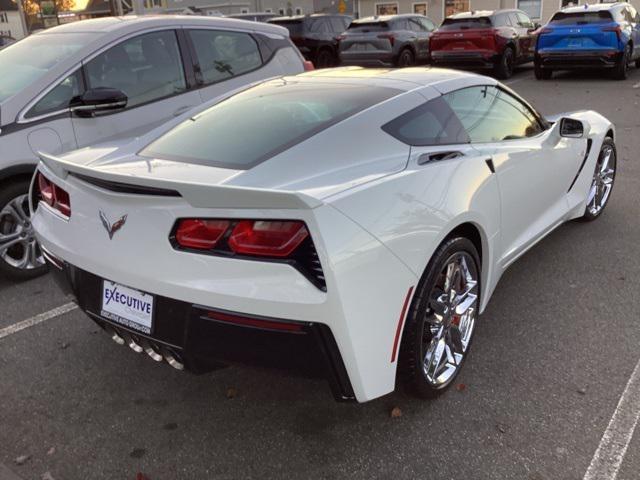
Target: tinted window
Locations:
point(58, 98)
point(337, 25)
point(465, 23)
point(21, 67)
point(261, 122)
point(145, 68)
point(501, 20)
point(432, 123)
point(415, 26)
point(580, 18)
point(319, 25)
point(428, 24)
point(490, 115)
point(222, 55)
point(294, 26)
point(524, 21)
point(368, 26)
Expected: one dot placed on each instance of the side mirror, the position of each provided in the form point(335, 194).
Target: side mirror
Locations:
point(572, 128)
point(98, 100)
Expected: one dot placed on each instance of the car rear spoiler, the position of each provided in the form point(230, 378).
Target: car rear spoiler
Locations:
point(198, 195)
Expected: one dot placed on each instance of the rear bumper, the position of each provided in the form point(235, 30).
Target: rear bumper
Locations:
point(577, 59)
point(481, 59)
point(188, 334)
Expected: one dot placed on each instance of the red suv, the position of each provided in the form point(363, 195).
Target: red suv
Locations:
point(497, 40)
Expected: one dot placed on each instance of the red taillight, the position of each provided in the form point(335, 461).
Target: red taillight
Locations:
point(200, 234)
point(267, 238)
point(308, 66)
point(54, 196)
point(267, 324)
point(544, 31)
point(388, 36)
point(615, 28)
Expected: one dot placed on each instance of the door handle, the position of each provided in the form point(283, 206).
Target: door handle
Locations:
point(438, 156)
point(182, 110)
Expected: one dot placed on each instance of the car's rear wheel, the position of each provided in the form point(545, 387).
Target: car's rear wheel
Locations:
point(406, 58)
point(541, 73)
point(325, 59)
point(504, 67)
point(638, 63)
point(441, 322)
point(602, 182)
point(20, 255)
point(621, 70)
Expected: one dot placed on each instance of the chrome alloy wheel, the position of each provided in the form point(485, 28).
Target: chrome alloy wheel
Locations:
point(450, 319)
point(18, 246)
point(602, 182)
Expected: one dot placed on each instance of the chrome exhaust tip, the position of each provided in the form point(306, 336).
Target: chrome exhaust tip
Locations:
point(172, 359)
point(133, 343)
point(114, 335)
point(152, 351)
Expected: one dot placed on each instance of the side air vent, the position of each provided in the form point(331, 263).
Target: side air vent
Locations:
point(126, 188)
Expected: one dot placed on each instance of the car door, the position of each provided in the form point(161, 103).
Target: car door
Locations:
point(225, 60)
point(533, 164)
point(526, 36)
point(422, 37)
point(149, 69)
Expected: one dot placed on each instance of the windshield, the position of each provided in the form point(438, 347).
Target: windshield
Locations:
point(465, 23)
point(21, 67)
point(261, 122)
point(580, 18)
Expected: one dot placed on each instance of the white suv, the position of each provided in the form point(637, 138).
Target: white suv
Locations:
point(99, 80)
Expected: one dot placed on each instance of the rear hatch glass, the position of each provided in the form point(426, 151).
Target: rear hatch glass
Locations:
point(465, 23)
point(365, 27)
point(295, 27)
point(259, 123)
point(580, 18)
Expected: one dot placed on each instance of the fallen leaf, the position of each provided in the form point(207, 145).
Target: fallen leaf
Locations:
point(64, 346)
point(51, 451)
point(501, 428)
point(395, 412)
point(232, 392)
point(582, 391)
point(461, 387)
point(22, 459)
point(47, 476)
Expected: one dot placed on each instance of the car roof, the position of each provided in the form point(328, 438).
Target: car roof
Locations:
point(134, 22)
point(313, 15)
point(400, 78)
point(594, 7)
point(386, 18)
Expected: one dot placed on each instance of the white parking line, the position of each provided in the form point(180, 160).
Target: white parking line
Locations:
point(30, 322)
point(608, 458)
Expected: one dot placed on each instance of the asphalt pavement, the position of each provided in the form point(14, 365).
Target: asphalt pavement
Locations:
point(552, 356)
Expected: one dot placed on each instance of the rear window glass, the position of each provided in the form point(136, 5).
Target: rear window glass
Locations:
point(580, 18)
point(368, 27)
point(252, 126)
point(295, 27)
point(465, 23)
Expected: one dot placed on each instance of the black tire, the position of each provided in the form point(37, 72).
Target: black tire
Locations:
point(504, 67)
point(8, 193)
point(406, 58)
point(638, 63)
point(541, 73)
point(589, 213)
point(324, 59)
point(621, 70)
point(417, 327)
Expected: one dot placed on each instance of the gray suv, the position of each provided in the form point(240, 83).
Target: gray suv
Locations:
point(388, 40)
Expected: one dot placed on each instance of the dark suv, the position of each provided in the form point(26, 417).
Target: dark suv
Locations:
point(497, 40)
point(400, 40)
point(316, 36)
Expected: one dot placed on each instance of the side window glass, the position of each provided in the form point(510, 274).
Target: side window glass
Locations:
point(427, 24)
point(336, 25)
point(525, 22)
point(319, 26)
point(145, 68)
point(414, 25)
point(491, 115)
point(514, 19)
point(432, 123)
point(58, 98)
point(222, 55)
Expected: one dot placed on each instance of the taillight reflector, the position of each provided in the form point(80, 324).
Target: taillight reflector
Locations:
point(308, 66)
point(200, 234)
point(254, 322)
point(544, 31)
point(267, 238)
point(388, 36)
point(54, 196)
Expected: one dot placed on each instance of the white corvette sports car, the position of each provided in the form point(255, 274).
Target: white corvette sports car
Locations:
point(348, 222)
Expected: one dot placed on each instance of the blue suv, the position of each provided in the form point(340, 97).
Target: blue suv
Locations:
point(589, 36)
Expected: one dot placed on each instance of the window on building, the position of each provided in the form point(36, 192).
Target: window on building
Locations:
point(386, 8)
point(244, 10)
point(223, 55)
point(281, 11)
point(3, 17)
point(568, 3)
point(298, 11)
point(420, 8)
point(451, 7)
point(146, 68)
point(533, 8)
point(268, 10)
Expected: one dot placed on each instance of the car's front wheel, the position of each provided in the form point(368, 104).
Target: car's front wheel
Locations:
point(20, 255)
point(504, 67)
point(541, 73)
point(442, 319)
point(406, 58)
point(602, 181)
point(621, 70)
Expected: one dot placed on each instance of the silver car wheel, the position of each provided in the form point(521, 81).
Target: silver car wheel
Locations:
point(451, 318)
point(602, 182)
point(18, 246)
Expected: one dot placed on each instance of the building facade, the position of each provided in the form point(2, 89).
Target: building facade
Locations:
point(10, 23)
point(539, 10)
